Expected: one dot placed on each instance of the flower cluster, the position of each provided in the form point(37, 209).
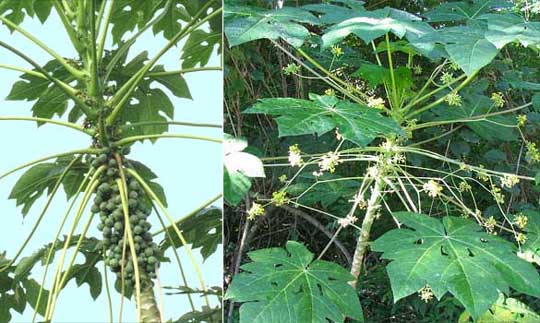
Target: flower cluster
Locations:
point(295, 156)
point(330, 92)
point(521, 238)
point(509, 180)
point(426, 293)
point(521, 120)
point(453, 99)
point(497, 99)
point(291, 68)
point(533, 153)
point(255, 211)
point(490, 224)
point(348, 220)
point(328, 163)
point(521, 221)
point(279, 198)
point(498, 196)
point(432, 188)
point(337, 51)
point(376, 103)
point(447, 78)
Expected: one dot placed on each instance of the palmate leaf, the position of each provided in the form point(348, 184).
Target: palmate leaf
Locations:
point(287, 286)
point(19, 9)
point(369, 25)
point(203, 230)
point(464, 10)
point(239, 167)
point(244, 24)
point(501, 127)
point(531, 248)
point(199, 47)
point(355, 122)
point(332, 14)
point(505, 310)
point(508, 28)
point(453, 255)
point(467, 46)
point(42, 178)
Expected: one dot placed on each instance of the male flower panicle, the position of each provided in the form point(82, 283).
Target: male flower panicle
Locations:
point(376, 103)
point(432, 188)
point(497, 99)
point(509, 180)
point(255, 211)
point(521, 120)
point(279, 198)
point(348, 220)
point(521, 221)
point(295, 156)
point(453, 99)
point(533, 153)
point(447, 78)
point(521, 238)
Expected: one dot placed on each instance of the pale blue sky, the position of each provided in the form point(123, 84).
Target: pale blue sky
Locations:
point(190, 172)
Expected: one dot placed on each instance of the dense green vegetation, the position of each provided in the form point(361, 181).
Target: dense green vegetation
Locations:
point(117, 98)
point(400, 143)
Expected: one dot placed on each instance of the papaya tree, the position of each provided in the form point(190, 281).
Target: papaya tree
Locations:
point(116, 97)
point(404, 138)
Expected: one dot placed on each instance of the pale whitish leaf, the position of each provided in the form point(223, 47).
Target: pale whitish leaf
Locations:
point(233, 144)
point(356, 122)
point(244, 24)
point(332, 14)
point(454, 255)
point(288, 286)
point(246, 163)
point(369, 25)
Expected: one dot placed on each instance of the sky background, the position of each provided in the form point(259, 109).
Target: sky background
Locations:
point(189, 171)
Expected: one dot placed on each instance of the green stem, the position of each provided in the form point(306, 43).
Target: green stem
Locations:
point(125, 47)
point(176, 123)
point(93, 64)
point(125, 91)
point(129, 140)
point(362, 243)
point(53, 246)
point(471, 119)
point(432, 93)
point(191, 214)
point(71, 92)
point(67, 25)
point(105, 28)
point(75, 72)
point(45, 120)
point(23, 70)
point(36, 161)
point(187, 70)
point(394, 96)
point(440, 100)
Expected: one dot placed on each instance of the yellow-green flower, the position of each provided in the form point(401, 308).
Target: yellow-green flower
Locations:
point(337, 51)
point(533, 153)
point(521, 238)
point(291, 68)
point(453, 99)
point(521, 120)
point(255, 211)
point(447, 78)
point(521, 221)
point(330, 92)
point(279, 198)
point(497, 99)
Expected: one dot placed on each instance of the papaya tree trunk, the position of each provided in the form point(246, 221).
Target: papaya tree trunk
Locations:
point(372, 209)
point(149, 309)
